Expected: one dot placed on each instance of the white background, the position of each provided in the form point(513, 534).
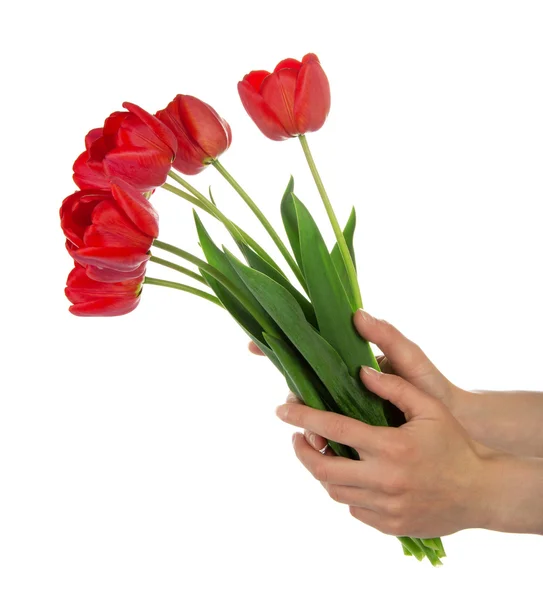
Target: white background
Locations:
point(140, 456)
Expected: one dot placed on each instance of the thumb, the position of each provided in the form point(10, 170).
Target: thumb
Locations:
point(413, 402)
point(405, 357)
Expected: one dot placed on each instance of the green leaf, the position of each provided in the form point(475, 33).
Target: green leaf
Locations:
point(328, 296)
point(211, 197)
point(290, 221)
point(337, 259)
point(242, 305)
point(309, 388)
point(258, 263)
point(351, 398)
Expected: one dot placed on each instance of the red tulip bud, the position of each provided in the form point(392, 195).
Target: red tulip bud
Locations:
point(291, 101)
point(202, 135)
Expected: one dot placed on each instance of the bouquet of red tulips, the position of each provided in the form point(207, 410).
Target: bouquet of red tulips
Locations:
point(304, 326)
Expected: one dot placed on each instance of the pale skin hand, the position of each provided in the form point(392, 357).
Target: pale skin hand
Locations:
point(427, 478)
point(510, 421)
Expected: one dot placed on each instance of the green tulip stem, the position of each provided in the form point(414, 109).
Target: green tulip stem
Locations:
point(184, 288)
point(256, 311)
point(261, 217)
point(199, 200)
point(179, 268)
point(342, 244)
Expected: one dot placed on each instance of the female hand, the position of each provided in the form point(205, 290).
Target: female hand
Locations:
point(402, 357)
point(424, 479)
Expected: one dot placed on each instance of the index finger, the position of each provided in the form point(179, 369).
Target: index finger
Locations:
point(368, 439)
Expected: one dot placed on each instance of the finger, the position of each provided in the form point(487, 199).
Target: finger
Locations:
point(354, 496)
point(384, 364)
point(315, 440)
point(369, 517)
point(329, 469)
point(413, 402)
point(254, 349)
point(319, 443)
point(405, 357)
point(335, 427)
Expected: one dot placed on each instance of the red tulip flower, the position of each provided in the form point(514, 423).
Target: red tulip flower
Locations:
point(109, 232)
point(133, 146)
point(291, 101)
point(92, 298)
point(202, 135)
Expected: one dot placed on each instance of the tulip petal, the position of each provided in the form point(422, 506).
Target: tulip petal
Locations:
point(92, 136)
point(263, 116)
point(118, 259)
point(89, 173)
point(190, 157)
point(144, 168)
point(137, 208)
point(203, 124)
point(161, 131)
point(312, 99)
point(105, 307)
point(288, 63)
point(278, 92)
point(113, 229)
point(255, 79)
point(113, 275)
point(76, 213)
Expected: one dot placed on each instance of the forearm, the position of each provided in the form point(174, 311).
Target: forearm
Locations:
point(508, 421)
point(511, 492)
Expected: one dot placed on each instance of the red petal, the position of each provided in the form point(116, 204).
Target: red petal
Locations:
point(76, 213)
point(113, 123)
point(89, 174)
point(118, 259)
point(143, 168)
point(112, 275)
point(288, 63)
point(278, 93)
point(312, 103)
point(92, 136)
point(263, 116)
point(255, 78)
point(111, 228)
point(105, 307)
point(138, 209)
point(161, 131)
point(204, 125)
point(190, 157)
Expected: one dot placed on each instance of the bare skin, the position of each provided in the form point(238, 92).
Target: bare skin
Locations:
point(431, 476)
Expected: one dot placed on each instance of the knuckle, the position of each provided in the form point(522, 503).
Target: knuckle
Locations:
point(334, 493)
point(395, 507)
point(320, 471)
point(337, 427)
point(355, 512)
point(394, 448)
point(393, 526)
point(394, 484)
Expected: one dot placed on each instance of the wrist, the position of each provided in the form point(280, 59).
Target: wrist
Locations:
point(508, 492)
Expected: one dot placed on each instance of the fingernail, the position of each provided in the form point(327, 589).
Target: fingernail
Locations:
point(293, 438)
point(292, 398)
point(365, 315)
point(311, 440)
point(370, 371)
point(282, 411)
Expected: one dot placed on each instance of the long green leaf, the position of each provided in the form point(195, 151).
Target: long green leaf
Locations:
point(328, 296)
point(307, 384)
point(290, 222)
point(243, 306)
point(337, 259)
point(351, 398)
point(263, 266)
